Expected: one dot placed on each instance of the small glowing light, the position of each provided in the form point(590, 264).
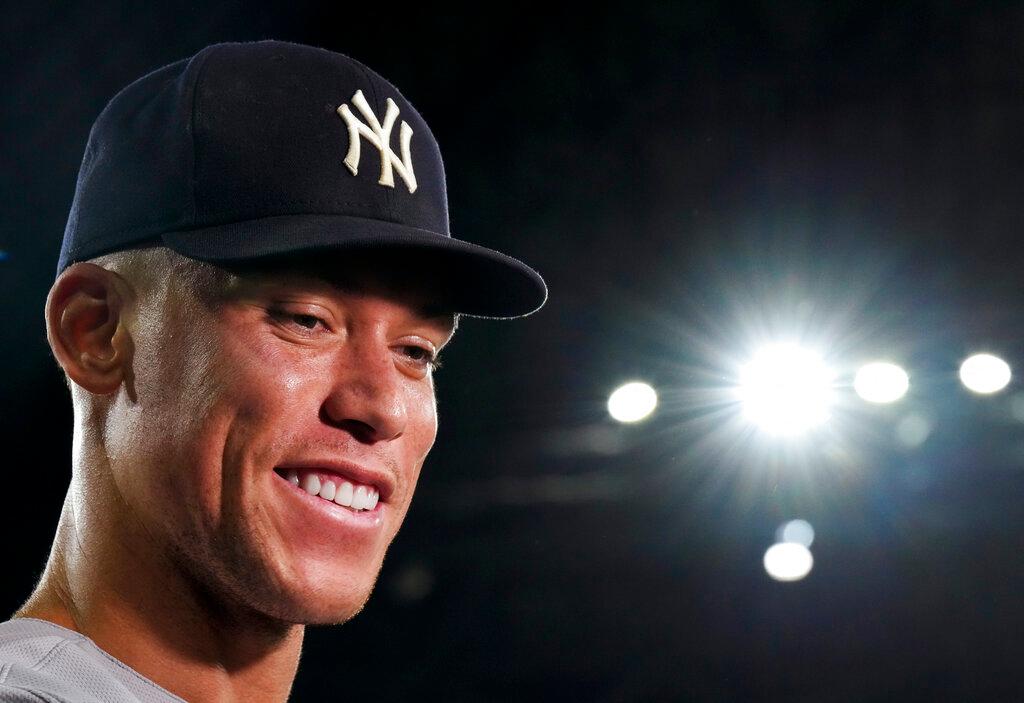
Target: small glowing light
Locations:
point(796, 531)
point(786, 390)
point(3, 255)
point(984, 373)
point(881, 382)
point(913, 430)
point(788, 561)
point(632, 402)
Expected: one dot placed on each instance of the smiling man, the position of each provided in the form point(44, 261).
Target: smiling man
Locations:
point(255, 282)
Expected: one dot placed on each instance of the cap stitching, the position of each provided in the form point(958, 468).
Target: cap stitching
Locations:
point(200, 70)
point(90, 151)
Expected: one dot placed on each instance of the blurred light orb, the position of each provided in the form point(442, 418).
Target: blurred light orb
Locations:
point(788, 561)
point(985, 373)
point(795, 531)
point(786, 390)
point(881, 382)
point(632, 402)
point(912, 431)
point(1017, 407)
point(413, 583)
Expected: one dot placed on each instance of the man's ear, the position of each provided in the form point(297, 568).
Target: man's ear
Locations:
point(85, 325)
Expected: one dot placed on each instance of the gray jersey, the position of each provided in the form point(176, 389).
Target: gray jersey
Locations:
point(44, 663)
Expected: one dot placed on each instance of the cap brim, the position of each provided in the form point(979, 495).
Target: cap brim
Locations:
point(475, 280)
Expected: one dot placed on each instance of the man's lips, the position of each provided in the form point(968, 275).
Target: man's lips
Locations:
point(340, 472)
point(347, 506)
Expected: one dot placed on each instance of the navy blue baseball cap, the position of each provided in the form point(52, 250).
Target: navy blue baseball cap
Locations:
point(252, 150)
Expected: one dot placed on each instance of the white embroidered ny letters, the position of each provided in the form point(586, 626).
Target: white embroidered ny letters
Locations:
point(380, 136)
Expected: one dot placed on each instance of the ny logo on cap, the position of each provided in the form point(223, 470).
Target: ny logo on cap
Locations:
point(380, 137)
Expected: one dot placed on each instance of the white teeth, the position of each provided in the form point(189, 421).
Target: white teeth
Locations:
point(327, 490)
point(311, 484)
point(355, 496)
point(359, 498)
point(344, 494)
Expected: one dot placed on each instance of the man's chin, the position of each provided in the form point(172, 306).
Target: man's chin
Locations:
point(320, 605)
point(303, 591)
point(336, 615)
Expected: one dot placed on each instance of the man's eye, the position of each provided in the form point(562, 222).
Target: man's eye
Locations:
point(308, 321)
point(422, 356)
point(298, 319)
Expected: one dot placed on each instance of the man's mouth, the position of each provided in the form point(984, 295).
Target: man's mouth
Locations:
point(354, 496)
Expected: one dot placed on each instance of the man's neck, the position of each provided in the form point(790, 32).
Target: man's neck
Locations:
point(149, 615)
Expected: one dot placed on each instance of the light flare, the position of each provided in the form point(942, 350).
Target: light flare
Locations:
point(786, 390)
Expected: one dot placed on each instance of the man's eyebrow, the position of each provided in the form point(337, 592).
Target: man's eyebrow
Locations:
point(429, 311)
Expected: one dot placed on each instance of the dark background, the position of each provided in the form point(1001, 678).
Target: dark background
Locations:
point(691, 179)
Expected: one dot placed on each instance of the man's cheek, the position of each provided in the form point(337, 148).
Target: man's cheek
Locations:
point(267, 365)
point(426, 425)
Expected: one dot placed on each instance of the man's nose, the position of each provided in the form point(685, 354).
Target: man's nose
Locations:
point(367, 397)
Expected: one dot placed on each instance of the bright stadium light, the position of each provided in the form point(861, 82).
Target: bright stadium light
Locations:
point(788, 561)
point(798, 531)
point(881, 382)
point(632, 402)
point(984, 373)
point(786, 390)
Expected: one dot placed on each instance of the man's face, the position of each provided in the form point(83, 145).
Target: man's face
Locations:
point(281, 376)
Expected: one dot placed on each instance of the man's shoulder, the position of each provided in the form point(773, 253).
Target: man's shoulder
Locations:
point(32, 693)
point(43, 662)
point(26, 646)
